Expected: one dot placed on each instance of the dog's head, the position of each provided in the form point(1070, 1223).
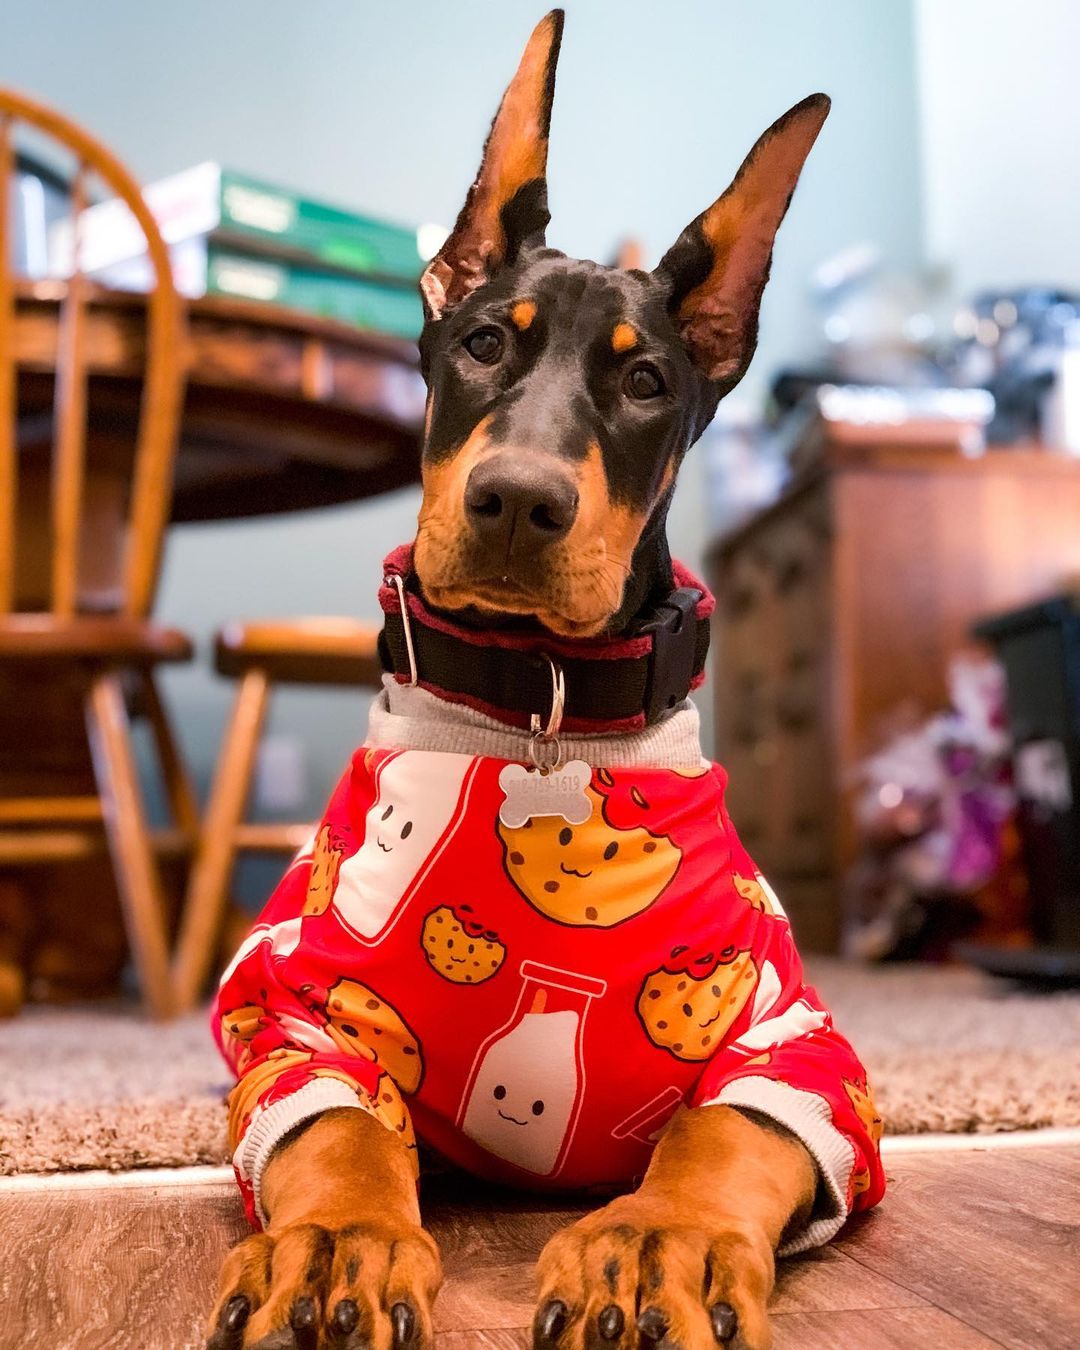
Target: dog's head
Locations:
point(562, 395)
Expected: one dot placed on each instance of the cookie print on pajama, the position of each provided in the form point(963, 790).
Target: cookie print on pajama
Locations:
point(534, 1002)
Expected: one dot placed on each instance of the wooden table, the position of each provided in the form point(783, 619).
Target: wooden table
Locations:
point(296, 410)
point(284, 411)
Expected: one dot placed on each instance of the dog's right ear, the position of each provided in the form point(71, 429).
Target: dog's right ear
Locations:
point(506, 208)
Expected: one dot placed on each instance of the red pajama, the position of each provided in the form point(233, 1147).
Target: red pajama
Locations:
point(535, 1000)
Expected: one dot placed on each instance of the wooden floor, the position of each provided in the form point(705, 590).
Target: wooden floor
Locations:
point(970, 1249)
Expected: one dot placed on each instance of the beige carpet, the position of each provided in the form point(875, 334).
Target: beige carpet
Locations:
point(948, 1050)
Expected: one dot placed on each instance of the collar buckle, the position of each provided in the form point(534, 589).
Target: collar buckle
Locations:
point(673, 628)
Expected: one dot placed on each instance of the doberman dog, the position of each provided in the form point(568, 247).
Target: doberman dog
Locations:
point(563, 396)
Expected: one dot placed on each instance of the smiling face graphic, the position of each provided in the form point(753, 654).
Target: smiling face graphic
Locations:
point(499, 1092)
point(385, 828)
point(417, 804)
point(524, 1091)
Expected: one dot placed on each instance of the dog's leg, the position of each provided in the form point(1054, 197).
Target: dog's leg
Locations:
point(687, 1260)
point(343, 1260)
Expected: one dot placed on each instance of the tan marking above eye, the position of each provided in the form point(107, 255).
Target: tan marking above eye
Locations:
point(623, 338)
point(522, 314)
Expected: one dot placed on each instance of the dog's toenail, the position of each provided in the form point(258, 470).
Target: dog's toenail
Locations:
point(725, 1322)
point(404, 1322)
point(552, 1322)
point(345, 1317)
point(652, 1324)
point(610, 1323)
point(303, 1314)
point(235, 1313)
point(303, 1318)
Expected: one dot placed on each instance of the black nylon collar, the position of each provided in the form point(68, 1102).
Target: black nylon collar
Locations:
point(621, 684)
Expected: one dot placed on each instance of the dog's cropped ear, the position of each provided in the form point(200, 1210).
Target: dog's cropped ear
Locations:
point(506, 208)
point(718, 267)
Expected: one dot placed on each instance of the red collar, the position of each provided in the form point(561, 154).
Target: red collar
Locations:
point(612, 684)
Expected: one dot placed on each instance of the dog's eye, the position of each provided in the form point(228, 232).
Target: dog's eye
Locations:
point(643, 381)
point(485, 345)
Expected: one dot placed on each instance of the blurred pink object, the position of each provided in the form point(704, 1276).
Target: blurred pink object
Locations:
point(932, 806)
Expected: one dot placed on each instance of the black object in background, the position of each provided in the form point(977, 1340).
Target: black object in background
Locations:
point(1039, 647)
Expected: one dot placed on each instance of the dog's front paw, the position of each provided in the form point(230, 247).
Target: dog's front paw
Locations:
point(642, 1272)
point(369, 1285)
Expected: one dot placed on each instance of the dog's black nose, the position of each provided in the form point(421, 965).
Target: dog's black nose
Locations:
point(517, 506)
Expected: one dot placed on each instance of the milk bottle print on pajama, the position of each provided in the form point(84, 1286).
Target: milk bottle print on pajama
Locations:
point(420, 800)
point(524, 1092)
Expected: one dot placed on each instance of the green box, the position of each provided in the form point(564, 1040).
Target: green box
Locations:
point(232, 208)
point(355, 300)
point(206, 267)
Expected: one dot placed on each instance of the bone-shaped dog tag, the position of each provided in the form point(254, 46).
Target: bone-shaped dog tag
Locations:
point(557, 792)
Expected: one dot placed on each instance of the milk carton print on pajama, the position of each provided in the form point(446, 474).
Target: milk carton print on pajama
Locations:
point(535, 1000)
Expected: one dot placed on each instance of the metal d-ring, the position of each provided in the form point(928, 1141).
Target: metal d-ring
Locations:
point(547, 738)
point(396, 581)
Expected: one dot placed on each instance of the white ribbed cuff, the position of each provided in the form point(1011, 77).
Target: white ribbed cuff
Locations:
point(270, 1125)
point(808, 1117)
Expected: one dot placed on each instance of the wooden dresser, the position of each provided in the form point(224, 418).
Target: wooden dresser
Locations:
point(846, 599)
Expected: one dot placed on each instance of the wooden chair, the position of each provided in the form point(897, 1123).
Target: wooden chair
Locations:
point(325, 652)
point(75, 636)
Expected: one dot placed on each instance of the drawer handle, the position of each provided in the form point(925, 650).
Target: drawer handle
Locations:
point(791, 572)
point(793, 715)
point(739, 600)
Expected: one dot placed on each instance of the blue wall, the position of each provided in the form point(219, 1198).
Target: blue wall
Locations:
point(385, 107)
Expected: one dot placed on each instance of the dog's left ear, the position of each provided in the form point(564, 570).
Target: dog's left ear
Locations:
point(506, 208)
point(718, 267)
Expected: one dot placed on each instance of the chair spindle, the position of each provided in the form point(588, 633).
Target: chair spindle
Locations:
point(8, 448)
point(69, 453)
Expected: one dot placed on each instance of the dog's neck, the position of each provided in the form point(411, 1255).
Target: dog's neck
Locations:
point(406, 718)
point(459, 687)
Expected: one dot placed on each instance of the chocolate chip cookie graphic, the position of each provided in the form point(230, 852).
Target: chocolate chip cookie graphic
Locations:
point(590, 875)
point(242, 1025)
point(330, 844)
point(459, 948)
point(385, 1104)
point(359, 1020)
point(758, 894)
point(862, 1100)
point(689, 1004)
point(388, 1107)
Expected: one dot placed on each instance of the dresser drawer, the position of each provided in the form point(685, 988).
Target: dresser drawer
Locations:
point(803, 784)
